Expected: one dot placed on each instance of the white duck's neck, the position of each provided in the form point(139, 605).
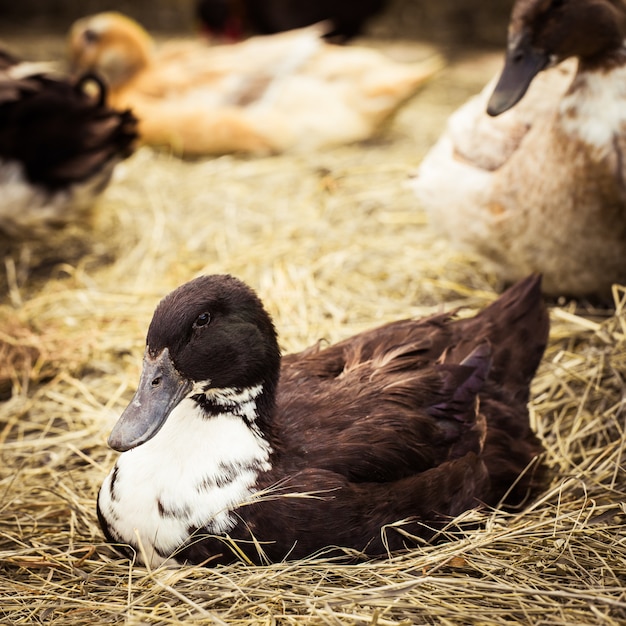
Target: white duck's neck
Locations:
point(190, 475)
point(594, 108)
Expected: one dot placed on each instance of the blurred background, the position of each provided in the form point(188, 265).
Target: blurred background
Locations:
point(454, 24)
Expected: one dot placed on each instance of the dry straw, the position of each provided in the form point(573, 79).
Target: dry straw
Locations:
point(334, 244)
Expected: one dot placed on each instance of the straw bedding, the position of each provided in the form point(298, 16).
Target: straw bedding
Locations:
point(335, 244)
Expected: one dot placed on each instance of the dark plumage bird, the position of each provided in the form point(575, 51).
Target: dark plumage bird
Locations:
point(228, 450)
point(232, 19)
point(59, 144)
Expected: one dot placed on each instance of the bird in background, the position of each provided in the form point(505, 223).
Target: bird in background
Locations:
point(530, 174)
point(269, 94)
point(59, 144)
point(232, 20)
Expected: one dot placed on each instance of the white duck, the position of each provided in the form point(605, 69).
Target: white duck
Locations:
point(542, 187)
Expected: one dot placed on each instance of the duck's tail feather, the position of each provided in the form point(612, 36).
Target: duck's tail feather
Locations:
point(458, 413)
point(512, 453)
point(517, 326)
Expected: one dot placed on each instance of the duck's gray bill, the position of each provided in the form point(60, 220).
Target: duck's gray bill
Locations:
point(160, 389)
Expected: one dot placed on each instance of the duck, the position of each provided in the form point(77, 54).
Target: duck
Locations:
point(537, 157)
point(363, 447)
point(266, 95)
point(59, 145)
point(229, 20)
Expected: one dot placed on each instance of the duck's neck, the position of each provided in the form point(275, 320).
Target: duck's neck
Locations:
point(599, 34)
point(592, 111)
point(240, 402)
point(609, 59)
point(254, 405)
point(123, 69)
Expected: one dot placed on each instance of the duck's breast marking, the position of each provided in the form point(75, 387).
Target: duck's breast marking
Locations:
point(190, 475)
point(594, 108)
point(241, 402)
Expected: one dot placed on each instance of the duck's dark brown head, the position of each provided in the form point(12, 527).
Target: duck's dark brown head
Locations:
point(211, 333)
point(216, 329)
point(545, 32)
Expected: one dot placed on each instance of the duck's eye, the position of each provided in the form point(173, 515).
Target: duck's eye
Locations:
point(90, 36)
point(202, 320)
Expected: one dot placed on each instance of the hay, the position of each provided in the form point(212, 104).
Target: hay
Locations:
point(334, 244)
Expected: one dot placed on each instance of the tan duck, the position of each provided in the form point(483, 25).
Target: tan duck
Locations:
point(59, 144)
point(542, 186)
point(289, 91)
point(371, 444)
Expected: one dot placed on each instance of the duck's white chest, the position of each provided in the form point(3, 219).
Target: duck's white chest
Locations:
point(190, 476)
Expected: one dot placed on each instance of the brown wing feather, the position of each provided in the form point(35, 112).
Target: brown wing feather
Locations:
point(387, 407)
point(369, 517)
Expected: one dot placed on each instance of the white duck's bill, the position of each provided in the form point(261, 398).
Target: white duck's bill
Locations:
point(522, 64)
point(161, 389)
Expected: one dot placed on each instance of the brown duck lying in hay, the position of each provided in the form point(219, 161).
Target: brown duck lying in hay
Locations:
point(230, 451)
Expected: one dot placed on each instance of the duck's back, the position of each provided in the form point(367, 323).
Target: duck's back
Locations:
point(401, 399)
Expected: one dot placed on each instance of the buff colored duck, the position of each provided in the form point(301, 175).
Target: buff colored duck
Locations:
point(289, 91)
point(531, 173)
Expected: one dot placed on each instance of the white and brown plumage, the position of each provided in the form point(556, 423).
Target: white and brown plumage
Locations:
point(290, 91)
point(59, 144)
point(542, 186)
point(229, 449)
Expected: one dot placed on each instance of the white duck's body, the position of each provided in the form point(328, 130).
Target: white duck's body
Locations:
point(29, 210)
point(542, 186)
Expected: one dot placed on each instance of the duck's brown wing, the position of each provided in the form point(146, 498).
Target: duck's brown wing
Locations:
point(403, 398)
point(383, 419)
